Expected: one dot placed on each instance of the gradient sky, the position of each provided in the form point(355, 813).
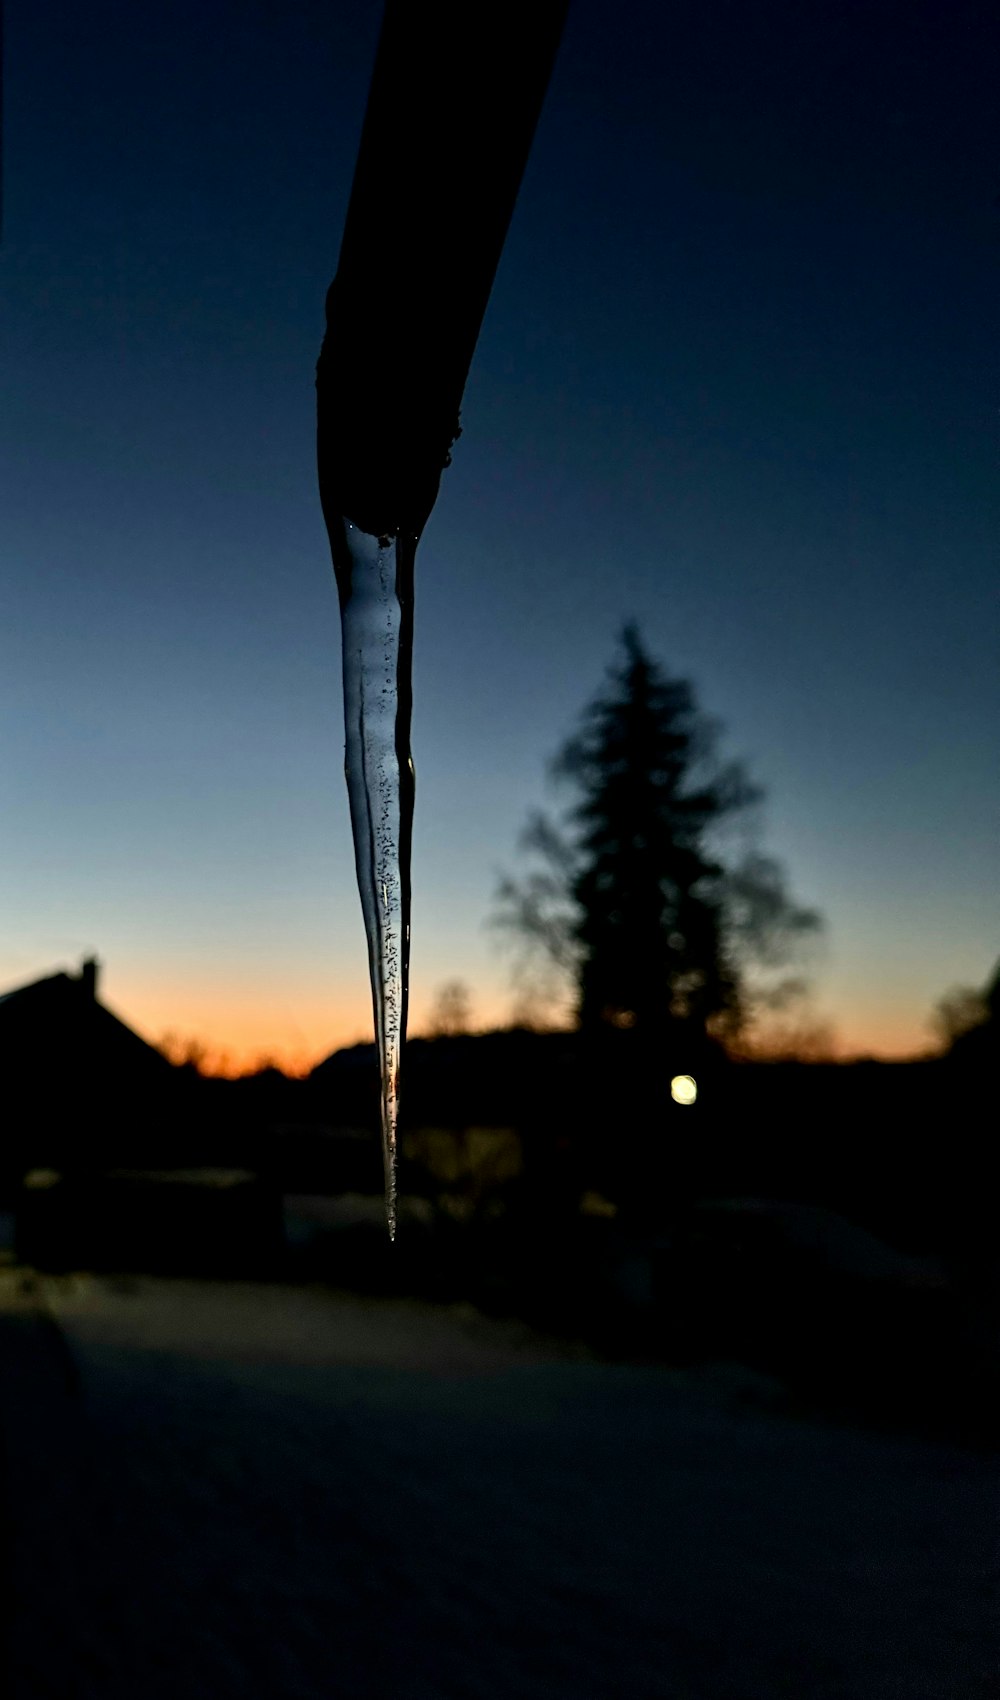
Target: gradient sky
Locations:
point(737, 381)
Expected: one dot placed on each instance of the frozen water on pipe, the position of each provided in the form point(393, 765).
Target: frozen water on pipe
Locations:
point(375, 581)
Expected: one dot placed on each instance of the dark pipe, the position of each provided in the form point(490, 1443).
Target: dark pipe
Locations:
point(455, 97)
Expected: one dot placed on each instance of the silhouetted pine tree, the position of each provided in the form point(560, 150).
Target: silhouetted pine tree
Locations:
point(631, 899)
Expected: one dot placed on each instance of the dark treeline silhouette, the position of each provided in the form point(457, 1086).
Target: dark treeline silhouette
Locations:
point(968, 1022)
point(828, 1224)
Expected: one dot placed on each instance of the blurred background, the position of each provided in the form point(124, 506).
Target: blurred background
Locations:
point(696, 1230)
point(730, 386)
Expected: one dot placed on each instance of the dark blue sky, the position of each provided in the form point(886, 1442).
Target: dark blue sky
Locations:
point(737, 381)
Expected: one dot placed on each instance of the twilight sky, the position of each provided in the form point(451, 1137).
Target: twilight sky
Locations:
point(737, 381)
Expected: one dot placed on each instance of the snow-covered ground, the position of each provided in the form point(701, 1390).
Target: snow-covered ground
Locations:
point(285, 1493)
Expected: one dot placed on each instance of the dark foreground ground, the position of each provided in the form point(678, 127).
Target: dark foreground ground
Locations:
point(223, 1491)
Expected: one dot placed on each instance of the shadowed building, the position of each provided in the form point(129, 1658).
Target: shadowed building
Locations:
point(97, 1126)
point(77, 1081)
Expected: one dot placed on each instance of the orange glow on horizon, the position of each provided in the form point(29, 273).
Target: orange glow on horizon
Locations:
point(234, 1038)
point(235, 1026)
point(885, 1037)
point(230, 1031)
point(233, 1031)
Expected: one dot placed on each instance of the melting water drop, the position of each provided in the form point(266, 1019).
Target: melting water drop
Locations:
point(375, 579)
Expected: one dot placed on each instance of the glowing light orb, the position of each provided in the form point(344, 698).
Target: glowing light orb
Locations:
point(683, 1089)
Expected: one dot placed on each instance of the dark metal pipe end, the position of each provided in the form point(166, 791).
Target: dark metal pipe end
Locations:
point(455, 99)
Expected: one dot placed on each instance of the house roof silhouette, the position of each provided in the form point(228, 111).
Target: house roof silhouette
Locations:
point(56, 1031)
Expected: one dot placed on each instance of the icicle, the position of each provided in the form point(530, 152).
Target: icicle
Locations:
point(375, 577)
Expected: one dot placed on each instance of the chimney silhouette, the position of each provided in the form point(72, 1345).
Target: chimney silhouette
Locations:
point(88, 976)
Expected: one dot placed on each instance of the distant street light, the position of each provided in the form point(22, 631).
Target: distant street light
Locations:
point(683, 1089)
